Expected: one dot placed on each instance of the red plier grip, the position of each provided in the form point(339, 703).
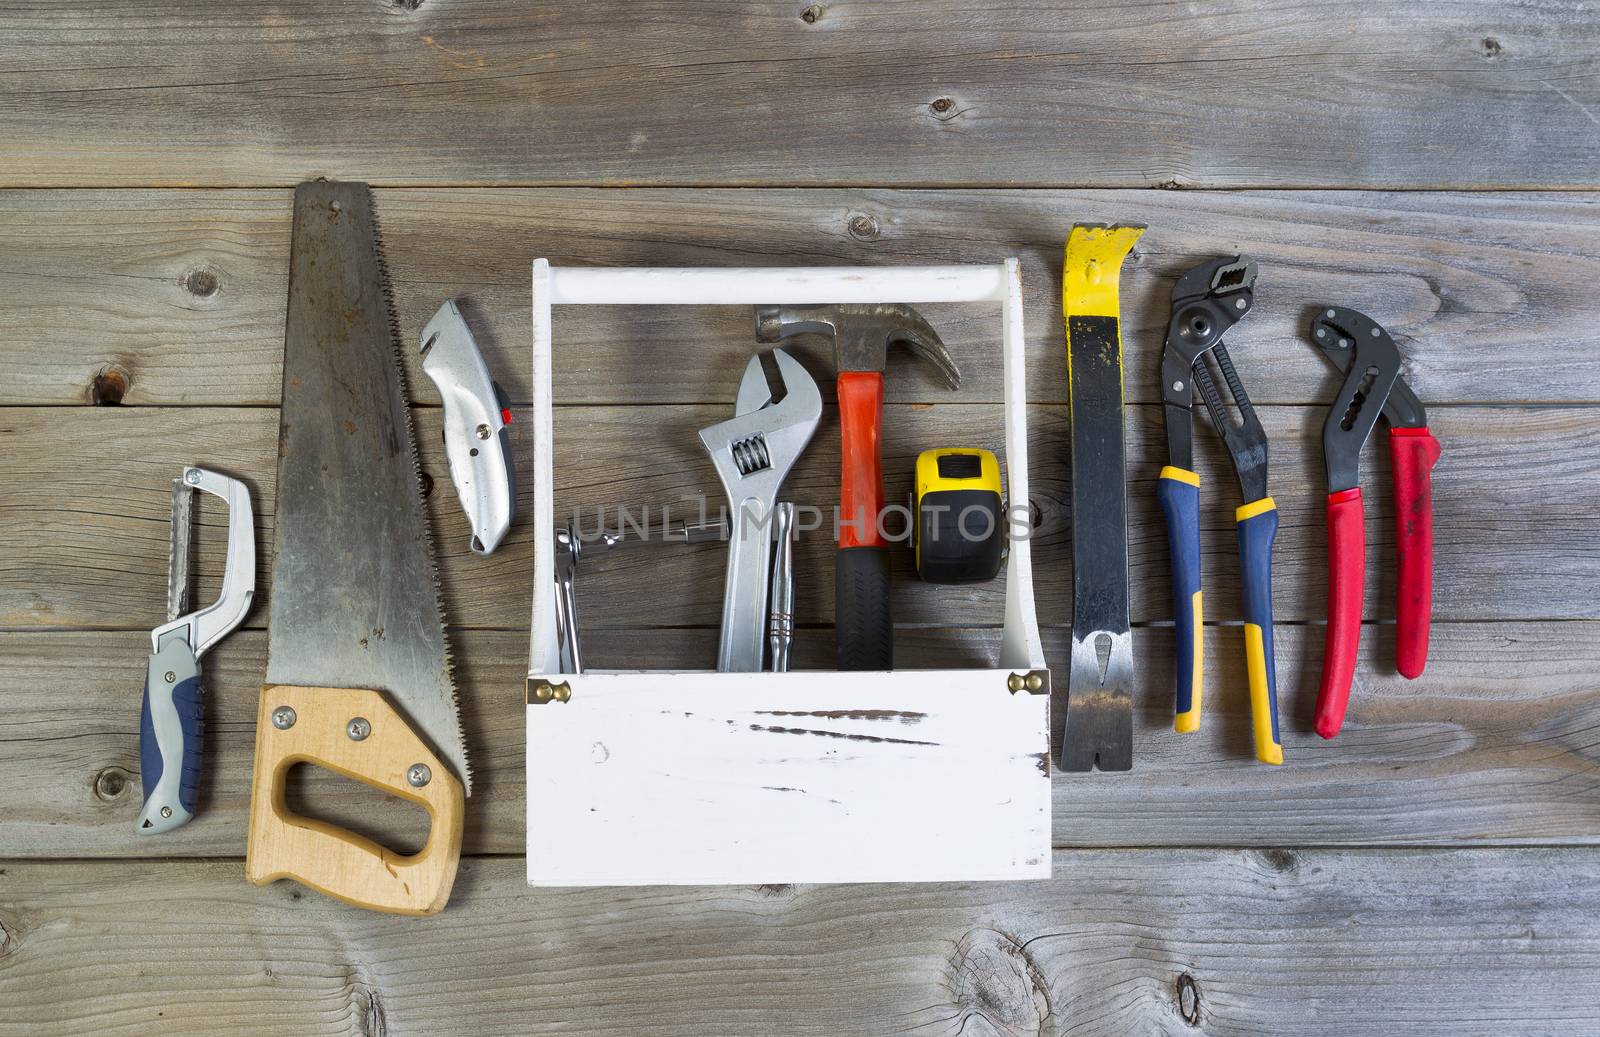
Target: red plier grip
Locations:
point(1413, 453)
point(1347, 563)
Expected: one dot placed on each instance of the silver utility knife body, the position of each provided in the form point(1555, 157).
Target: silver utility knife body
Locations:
point(475, 420)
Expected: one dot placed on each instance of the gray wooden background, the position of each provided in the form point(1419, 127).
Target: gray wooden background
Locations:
point(1433, 870)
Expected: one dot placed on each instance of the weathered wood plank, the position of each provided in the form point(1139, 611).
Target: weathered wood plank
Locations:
point(1357, 93)
point(182, 292)
point(1495, 744)
point(180, 296)
point(1273, 941)
point(84, 511)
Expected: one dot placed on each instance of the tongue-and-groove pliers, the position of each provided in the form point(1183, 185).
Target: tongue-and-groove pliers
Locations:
point(1206, 302)
point(1366, 355)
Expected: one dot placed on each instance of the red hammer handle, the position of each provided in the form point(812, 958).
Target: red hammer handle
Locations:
point(861, 467)
point(863, 620)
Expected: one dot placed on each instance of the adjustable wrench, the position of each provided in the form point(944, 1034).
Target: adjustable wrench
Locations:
point(753, 452)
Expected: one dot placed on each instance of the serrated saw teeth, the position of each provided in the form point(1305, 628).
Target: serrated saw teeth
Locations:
point(397, 347)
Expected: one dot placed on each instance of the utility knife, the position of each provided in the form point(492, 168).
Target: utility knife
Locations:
point(475, 420)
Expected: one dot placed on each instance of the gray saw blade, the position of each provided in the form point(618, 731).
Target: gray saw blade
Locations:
point(355, 596)
point(178, 548)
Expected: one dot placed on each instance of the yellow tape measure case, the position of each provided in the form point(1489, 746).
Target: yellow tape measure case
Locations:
point(960, 533)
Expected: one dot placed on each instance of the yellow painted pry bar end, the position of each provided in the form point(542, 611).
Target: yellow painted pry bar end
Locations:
point(1092, 272)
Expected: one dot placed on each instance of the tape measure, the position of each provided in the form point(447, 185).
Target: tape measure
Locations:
point(960, 533)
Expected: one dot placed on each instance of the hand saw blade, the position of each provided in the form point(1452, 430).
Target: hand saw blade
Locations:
point(355, 596)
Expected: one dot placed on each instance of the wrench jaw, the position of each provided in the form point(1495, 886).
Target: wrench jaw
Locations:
point(752, 453)
point(801, 399)
point(754, 392)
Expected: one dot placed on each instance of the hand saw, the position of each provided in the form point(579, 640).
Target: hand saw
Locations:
point(358, 668)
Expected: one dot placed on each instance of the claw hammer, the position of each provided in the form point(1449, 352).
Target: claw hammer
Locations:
point(862, 335)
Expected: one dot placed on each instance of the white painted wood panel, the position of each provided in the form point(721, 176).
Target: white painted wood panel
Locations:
point(706, 778)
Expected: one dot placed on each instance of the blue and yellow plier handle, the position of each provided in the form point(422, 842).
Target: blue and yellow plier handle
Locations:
point(1206, 302)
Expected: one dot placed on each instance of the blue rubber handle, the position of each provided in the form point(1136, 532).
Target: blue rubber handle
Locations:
point(1257, 527)
point(171, 739)
point(1178, 490)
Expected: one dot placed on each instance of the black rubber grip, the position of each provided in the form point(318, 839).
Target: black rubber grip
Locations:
point(864, 631)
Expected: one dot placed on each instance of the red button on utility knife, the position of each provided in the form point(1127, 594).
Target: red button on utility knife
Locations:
point(1370, 361)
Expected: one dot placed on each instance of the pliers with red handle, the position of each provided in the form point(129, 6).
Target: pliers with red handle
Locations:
point(1370, 361)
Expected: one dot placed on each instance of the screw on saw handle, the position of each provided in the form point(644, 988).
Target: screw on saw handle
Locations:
point(1347, 562)
point(1178, 490)
point(1257, 528)
point(1413, 453)
point(171, 737)
point(864, 622)
point(316, 725)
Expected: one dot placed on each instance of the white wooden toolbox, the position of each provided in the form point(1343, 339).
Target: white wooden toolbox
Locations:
point(807, 776)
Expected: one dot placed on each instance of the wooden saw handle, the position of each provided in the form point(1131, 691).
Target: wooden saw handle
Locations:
point(326, 857)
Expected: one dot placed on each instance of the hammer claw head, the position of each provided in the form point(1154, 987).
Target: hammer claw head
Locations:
point(861, 333)
point(932, 350)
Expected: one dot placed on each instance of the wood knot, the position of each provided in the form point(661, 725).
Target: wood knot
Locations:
point(863, 226)
point(369, 1015)
point(1279, 860)
point(991, 976)
point(1170, 185)
point(108, 387)
point(812, 14)
point(1188, 999)
point(201, 282)
point(776, 890)
point(10, 936)
point(1490, 48)
point(427, 485)
point(943, 108)
point(110, 784)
